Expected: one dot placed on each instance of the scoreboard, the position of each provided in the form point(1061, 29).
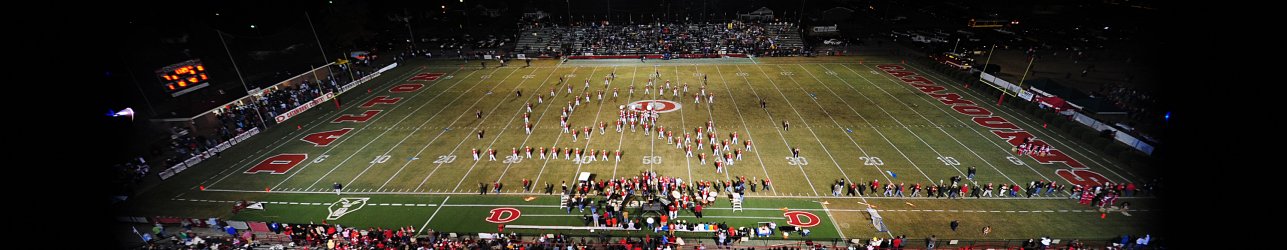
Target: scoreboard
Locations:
point(184, 77)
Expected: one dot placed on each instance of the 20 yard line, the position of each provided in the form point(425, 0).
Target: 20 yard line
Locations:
point(949, 135)
point(334, 145)
point(373, 140)
point(462, 141)
point(503, 129)
point(833, 119)
point(985, 138)
point(431, 141)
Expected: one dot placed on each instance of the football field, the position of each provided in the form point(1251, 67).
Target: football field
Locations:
point(401, 145)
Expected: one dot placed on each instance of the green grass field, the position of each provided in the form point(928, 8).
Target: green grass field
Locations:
point(849, 119)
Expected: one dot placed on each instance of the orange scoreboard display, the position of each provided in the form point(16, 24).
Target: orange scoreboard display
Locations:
point(184, 77)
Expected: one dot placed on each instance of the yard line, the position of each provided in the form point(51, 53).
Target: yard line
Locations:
point(749, 136)
point(940, 128)
point(1025, 119)
point(770, 115)
point(806, 124)
point(833, 119)
point(909, 130)
point(314, 124)
point(585, 148)
point(334, 145)
point(683, 126)
point(882, 135)
point(504, 127)
point(462, 141)
point(435, 213)
point(709, 114)
point(404, 139)
point(538, 121)
point(940, 109)
point(377, 137)
point(651, 142)
point(620, 138)
point(837, 226)
point(815, 135)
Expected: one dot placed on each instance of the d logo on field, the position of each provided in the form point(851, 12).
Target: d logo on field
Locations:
point(793, 218)
point(661, 106)
point(503, 215)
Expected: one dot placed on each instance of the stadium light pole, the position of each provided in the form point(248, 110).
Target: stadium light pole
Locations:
point(243, 79)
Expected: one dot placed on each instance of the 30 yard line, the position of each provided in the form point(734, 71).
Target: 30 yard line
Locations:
point(749, 136)
point(881, 172)
point(806, 124)
point(909, 131)
point(498, 135)
point(538, 121)
point(770, 115)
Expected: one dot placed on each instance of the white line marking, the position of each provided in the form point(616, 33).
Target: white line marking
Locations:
point(404, 138)
point(620, 138)
point(864, 118)
point(683, 126)
point(1030, 122)
point(596, 121)
point(313, 124)
point(538, 120)
point(784, 140)
point(749, 136)
point(498, 135)
point(462, 141)
point(353, 134)
point(426, 145)
point(815, 135)
point(940, 129)
point(435, 213)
